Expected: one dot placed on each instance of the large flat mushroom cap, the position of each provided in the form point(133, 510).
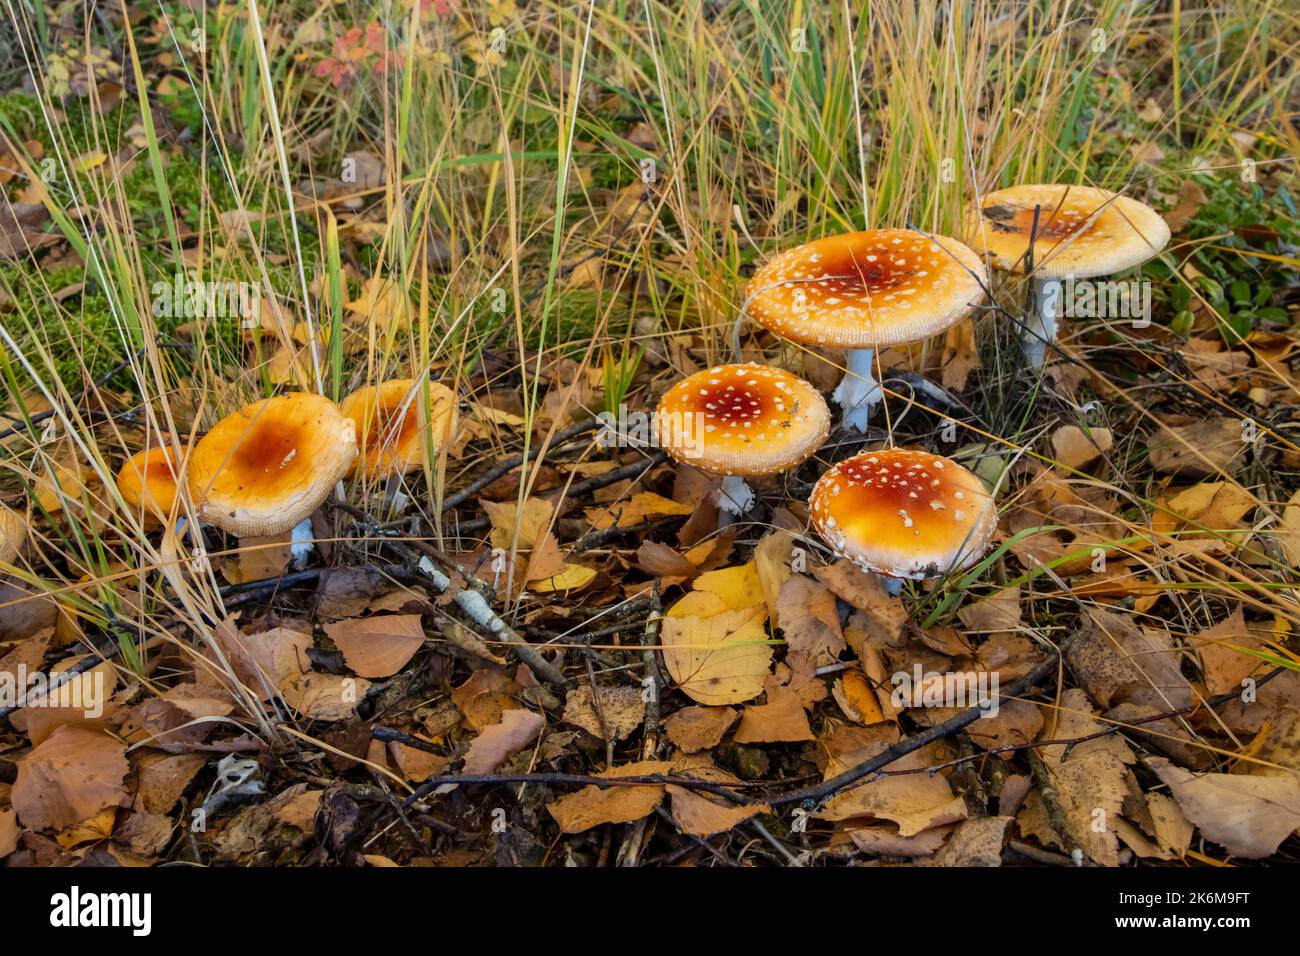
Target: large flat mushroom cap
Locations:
point(744, 419)
point(867, 290)
point(395, 431)
point(13, 533)
point(268, 466)
point(907, 514)
point(148, 481)
point(1082, 231)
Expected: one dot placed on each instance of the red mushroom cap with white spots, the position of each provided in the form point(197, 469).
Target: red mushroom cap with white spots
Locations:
point(867, 290)
point(742, 420)
point(1081, 231)
point(906, 514)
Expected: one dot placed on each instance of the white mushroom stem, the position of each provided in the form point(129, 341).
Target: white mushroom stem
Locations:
point(893, 586)
point(735, 497)
point(858, 391)
point(301, 542)
point(1041, 325)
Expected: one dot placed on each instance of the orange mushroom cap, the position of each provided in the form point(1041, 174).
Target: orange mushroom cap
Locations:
point(268, 466)
point(907, 514)
point(395, 431)
point(1082, 231)
point(742, 420)
point(148, 480)
point(867, 290)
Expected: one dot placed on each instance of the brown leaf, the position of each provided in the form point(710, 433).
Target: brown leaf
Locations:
point(782, 719)
point(916, 801)
point(1248, 815)
point(591, 806)
point(69, 778)
point(974, 843)
point(1072, 447)
point(378, 646)
point(622, 709)
point(1016, 722)
point(264, 662)
point(325, 696)
point(697, 728)
point(487, 693)
point(810, 622)
point(496, 744)
point(1198, 448)
point(884, 614)
point(162, 778)
point(702, 816)
point(8, 832)
point(1092, 781)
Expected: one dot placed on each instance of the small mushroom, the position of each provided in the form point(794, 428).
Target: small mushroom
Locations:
point(864, 291)
point(148, 483)
point(13, 534)
point(396, 431)
point(1080, 231)
point(738, 420)
point(903, 514)
point(267, 467)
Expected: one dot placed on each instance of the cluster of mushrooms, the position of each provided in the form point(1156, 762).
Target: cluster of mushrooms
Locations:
point(264, 469)
point(900, 513)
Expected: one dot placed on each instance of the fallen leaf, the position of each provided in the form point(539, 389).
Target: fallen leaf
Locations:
point(697, 728)
point(635, 511)
point(810, 622)
point(325, 696)
point(1248, 815)
point(499, 742)
point(721, 659)
point(378, 646)
point(782, 719)
point(622, 709)
point(975, 842)
point(591, 806)
point(703, 816)
point(534, 520)
point(71, 777)
point(1072, 447)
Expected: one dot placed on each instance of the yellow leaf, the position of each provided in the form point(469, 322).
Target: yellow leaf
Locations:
point(534, 521)
point(641, 506)
point(573, 576)
point(739, 587)
point(721, 659)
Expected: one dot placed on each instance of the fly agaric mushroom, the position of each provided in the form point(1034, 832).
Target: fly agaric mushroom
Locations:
point(864, 291)
point(147, 482)
point(903, 514)
point(738, 420)
point(267, 467)
point(13, 534)
point(1081, 232)
point(395, 432)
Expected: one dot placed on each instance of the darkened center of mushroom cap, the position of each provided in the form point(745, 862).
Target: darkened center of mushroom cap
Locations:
point(1052, 223)
point(897, 484)
point(155, 468)
point(271, 448)
point(386, 428)
point(870, 269)
point(732, 402)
